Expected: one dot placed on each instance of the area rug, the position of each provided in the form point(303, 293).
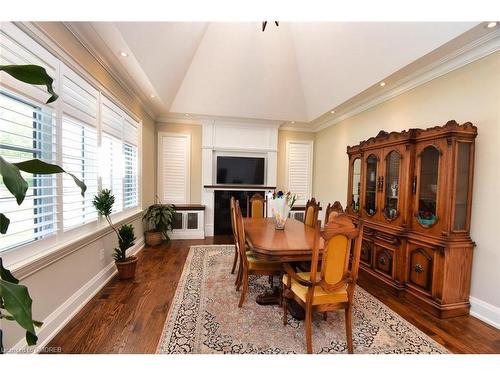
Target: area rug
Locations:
point(204, 318)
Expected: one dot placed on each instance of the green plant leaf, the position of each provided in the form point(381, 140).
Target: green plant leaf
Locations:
point(31, 338)
point(33, 74)
point(13, 180)
point(37, 166)
point(37, 323)
point(6, 275)
point(18, 302)
point(4, 223)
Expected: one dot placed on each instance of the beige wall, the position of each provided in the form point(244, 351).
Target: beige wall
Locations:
point(60, 287)
point(283, 137)
point(195, 131)
point(471, 93)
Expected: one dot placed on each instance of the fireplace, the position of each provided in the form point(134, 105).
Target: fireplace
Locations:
point(222, 218)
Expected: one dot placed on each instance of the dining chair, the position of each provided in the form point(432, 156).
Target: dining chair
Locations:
point(311, 212)
point(249, 264)
point(233, 228)
point(331, 287)
point(256, 206)
point(333, 210)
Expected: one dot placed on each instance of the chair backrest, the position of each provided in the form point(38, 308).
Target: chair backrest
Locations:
point(256, 206)
point(311, 212)
point(240, 234)
point(333, 210)
point(233, 219)
point(335, 272)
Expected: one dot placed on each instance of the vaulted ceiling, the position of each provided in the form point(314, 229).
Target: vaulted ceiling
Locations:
point(294, 72)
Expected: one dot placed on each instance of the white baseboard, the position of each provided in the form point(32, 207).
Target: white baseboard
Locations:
point(484, 311)
point(56, 321)
point(187, 234)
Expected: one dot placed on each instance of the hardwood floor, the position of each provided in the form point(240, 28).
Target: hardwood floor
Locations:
point(128, 317)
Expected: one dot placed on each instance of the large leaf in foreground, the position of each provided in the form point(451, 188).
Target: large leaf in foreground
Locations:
point(13, 180)
point(17, 302)
point(33, 74)
point(37, 166)
point(4, 223)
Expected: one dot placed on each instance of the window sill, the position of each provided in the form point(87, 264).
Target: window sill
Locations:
point(28, 266)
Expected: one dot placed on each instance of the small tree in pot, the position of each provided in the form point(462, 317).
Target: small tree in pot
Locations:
point(103, 202)
point(159, 218)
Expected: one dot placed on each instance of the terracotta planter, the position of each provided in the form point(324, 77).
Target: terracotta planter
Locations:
point(153, 238)
point(126, 270)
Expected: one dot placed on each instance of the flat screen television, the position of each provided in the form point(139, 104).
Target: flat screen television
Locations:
point(236, 170)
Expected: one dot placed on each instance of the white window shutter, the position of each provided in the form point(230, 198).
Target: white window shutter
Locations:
point(299, 169)
point(174, 168)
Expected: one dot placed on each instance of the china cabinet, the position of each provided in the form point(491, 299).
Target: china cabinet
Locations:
point(413, 189)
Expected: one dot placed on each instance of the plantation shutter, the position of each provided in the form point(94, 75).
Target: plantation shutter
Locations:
point(79, 148)
point(299, 169)
point(174, 168)
point(131, 140)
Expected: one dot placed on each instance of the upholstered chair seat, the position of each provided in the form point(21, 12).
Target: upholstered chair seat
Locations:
point(320, 296)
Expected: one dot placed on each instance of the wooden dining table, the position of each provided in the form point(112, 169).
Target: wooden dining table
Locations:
point(294, 243)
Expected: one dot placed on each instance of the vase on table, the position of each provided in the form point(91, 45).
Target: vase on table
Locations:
point(281, 204)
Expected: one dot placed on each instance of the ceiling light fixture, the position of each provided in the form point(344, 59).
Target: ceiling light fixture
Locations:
point(382, 84)
point(264, 24)
point(293, 122)
point(491, 25)
point(332, 111)
point(124, 54)
point(186, 114)
point(152, 96)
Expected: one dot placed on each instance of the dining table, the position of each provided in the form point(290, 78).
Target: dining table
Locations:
point(292, 244)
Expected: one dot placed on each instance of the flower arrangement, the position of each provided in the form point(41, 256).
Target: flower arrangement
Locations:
point(281, 204)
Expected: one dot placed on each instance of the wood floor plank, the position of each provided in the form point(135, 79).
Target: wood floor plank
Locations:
point(128, 316)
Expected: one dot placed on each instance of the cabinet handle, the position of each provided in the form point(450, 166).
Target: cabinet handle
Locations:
point(381, 260)
point(414, 185)
point(418, 268)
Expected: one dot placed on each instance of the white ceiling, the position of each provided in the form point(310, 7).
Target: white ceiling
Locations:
point(294, 72)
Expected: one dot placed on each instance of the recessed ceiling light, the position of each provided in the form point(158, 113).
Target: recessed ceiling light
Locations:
point(332, 111)
point(186, 114)
point(124, 54)
point(293, 122)
point(152, 96)
point(382, 84)
point(491, 25)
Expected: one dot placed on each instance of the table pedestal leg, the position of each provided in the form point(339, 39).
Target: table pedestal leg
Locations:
point(273, 298)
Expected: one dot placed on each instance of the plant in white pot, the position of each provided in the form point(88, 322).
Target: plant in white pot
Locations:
point(103, 203)
point(159, 218)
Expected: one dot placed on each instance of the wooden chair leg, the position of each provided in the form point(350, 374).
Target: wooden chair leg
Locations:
point(348, 328)
point(325, 315)
point(271, 281)
point(308, 326)
point(235, 261)
point(245, 289)
point(284, 303)
point(238, 277)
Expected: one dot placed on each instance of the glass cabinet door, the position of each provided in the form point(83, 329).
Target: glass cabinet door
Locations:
point(356, 184)
point(371, 185)
point(391, 196)
point(428, 186)
point(462, 187)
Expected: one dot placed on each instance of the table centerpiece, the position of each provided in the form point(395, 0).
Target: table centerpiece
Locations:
point(281, 204)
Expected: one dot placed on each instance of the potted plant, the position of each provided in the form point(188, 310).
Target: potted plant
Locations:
point(159, 218)
point(103, 203)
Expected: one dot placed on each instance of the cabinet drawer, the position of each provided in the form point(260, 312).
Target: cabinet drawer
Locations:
point(420, 267)
point(384, 261)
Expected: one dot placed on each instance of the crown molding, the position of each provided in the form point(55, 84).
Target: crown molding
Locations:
point(177, 118)
point(297, 129)
point(484, 46)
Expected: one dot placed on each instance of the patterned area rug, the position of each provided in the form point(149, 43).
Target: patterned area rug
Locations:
point(205, 318)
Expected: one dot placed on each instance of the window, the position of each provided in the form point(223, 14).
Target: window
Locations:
point(83, 131)
point(27, 132)
point(299, 156)
point(173, 173)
